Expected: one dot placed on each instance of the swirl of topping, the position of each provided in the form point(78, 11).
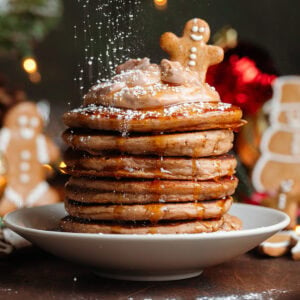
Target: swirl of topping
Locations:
point(141, 85)
point(173, 72)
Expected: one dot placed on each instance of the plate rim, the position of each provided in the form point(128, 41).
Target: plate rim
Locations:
point(186, 236)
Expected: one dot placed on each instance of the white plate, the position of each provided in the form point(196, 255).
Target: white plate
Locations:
point(146, 257)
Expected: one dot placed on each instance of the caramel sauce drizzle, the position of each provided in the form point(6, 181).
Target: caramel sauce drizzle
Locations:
point(118, 211)
point(120, 144)
point(153, 230)
point(156, 212)
point(159, 149)
point(116, 229)
point(217, 179)
point(196, 191)
point(200, 208)
point(221, 205)
point(156, 186)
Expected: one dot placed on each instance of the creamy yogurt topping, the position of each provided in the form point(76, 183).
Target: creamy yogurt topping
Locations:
point(142, 85)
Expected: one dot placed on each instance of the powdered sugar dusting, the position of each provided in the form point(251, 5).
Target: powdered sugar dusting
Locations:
point(181, 110)
point(268, 294)
point(106, 34)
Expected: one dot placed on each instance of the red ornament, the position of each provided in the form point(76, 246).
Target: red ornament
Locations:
point(256, 198)
point(241, 81)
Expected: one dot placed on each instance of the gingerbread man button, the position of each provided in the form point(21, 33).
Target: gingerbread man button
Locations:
point(191, 49)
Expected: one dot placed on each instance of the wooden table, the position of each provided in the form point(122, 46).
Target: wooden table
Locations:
point(33, 274)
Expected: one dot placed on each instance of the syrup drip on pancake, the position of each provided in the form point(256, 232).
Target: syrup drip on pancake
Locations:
point(120, 144)
point(196, 192)
point(157, 186)
point(118, 211)
point(156, 212)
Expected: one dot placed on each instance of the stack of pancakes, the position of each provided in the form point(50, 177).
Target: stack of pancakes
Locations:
point(154, 170)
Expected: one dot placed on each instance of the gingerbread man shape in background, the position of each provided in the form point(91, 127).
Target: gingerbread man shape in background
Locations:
point(279, 164)
point(191, 49)
point(26, 149)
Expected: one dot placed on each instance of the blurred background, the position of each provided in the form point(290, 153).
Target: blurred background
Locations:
point(54, 50)
point(271, 25)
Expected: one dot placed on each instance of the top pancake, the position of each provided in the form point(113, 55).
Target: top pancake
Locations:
point(176, 118)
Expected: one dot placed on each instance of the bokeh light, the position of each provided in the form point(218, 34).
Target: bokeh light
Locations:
point(161, 4)
point(29, 65)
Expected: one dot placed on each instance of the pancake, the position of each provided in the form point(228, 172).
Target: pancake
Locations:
point(231, 223)
point(183, 117)
point(202, 190)
point(70, 224)
point(226, 223)
point(150, 212)
point(176, 168)
point(156, 187)
point(193, 144)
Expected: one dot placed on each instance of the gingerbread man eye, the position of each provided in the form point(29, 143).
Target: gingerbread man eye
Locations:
point(195, 28)
point(34, 122)
point(201, 29)
point(23, 120)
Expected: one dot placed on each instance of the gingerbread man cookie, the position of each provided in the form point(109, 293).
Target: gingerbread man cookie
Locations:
point(280, 144)
point(279, 162)
point(191, 49)
point(277, 245)
point(26, 149)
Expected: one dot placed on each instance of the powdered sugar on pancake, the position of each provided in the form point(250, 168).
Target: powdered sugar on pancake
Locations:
point(95, 111)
